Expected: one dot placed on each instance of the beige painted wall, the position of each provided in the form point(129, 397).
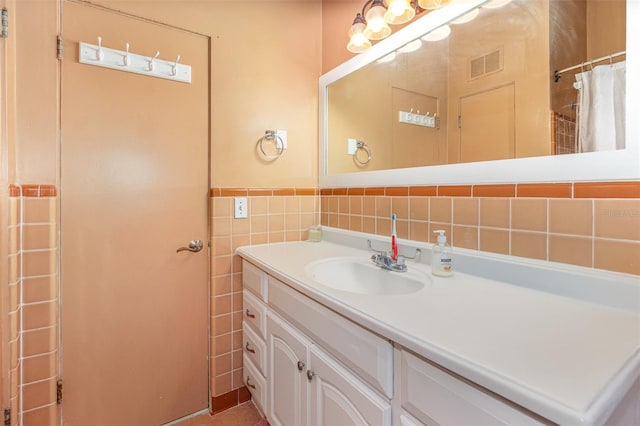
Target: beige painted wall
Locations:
point(567, 47)
point(337, 17)
point(35, 26)
point(265, 61)
point(365, 106)
point(525, 45)
point(606, 27)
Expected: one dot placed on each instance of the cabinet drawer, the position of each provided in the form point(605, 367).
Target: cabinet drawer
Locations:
point(254, 348)
point(254, 280)
point(367, 354)
point(256, 384)
point(254, 312)
point(435, 396)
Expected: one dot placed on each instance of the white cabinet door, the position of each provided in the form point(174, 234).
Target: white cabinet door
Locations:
point(287, 359)
point(337, 397)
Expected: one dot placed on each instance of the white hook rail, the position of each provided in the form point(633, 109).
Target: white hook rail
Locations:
point(418, 119)
point(123, 60)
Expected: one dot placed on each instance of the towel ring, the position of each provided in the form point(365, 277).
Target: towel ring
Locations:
point(361, 146)
point(270, 135)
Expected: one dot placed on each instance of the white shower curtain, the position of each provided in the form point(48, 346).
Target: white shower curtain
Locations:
point(601, 103)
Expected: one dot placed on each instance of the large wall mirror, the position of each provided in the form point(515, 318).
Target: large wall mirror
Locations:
point(484, 104)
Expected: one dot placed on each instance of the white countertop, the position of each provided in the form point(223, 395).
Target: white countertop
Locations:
point(565, 359)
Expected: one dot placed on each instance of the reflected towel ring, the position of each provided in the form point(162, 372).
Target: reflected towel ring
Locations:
point(270, 135)
point(361, 146)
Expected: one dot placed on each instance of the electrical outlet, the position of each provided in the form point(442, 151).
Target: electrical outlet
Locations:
point(240, 210)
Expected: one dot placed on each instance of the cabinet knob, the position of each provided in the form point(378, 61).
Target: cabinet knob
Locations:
point(300, 365)
point(249, 314)
point(310, 375)
point(249, 385)
point(248, 348)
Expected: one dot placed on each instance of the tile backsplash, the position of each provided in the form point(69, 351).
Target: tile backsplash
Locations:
point(274, 215)
point(588, 224)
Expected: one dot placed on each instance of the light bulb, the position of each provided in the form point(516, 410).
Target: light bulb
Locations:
point(399, 12)
point(377, 28)
point(358, 43)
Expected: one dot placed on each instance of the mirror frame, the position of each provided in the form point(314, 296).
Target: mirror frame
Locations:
point(591, 166)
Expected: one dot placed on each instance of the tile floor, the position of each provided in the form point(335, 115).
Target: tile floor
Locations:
point(242, 415)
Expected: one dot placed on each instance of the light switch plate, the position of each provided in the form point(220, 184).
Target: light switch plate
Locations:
point(352, 146)
point(281, 140)
point(240, 208)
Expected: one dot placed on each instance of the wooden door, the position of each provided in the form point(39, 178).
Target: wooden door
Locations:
point(134, 188)
point(487, 125)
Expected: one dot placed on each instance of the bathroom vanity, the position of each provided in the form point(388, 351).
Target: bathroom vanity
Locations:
point(503, 341)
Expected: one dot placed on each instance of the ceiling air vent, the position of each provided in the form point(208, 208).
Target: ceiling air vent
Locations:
point(486, 64)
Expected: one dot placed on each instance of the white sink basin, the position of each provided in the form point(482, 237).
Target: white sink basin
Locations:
point(356, 275)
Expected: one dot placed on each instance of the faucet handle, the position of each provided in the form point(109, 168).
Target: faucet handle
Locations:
point(381, 252)
point(402, 257)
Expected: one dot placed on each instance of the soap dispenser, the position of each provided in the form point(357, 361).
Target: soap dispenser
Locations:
point(441, 256)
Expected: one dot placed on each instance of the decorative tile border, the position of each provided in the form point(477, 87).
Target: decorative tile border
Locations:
point(626, 189)
point(261, 192)
point(32, 190)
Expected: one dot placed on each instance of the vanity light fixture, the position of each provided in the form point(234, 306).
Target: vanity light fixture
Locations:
point(377, 28)
point(372, 23)
point(358, 42)
point(400, 11)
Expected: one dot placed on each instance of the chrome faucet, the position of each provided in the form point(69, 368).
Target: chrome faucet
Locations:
point(383, 259)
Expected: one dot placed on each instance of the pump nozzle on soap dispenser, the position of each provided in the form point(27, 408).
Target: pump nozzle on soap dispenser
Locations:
point(441, 256)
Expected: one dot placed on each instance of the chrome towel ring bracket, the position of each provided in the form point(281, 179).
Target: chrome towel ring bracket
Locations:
point(362, 155)
point(271, 136)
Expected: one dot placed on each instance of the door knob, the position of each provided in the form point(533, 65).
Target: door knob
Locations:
point(194, 246)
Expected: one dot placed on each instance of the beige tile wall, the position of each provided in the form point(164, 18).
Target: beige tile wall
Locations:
point(15, 311)
point(272, 218)
point(581, 227)
point(584, 228)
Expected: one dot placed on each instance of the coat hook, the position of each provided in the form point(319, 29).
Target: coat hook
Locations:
point(125, 60)
point(174, 67)
point(100, 52)
point(151, 64)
